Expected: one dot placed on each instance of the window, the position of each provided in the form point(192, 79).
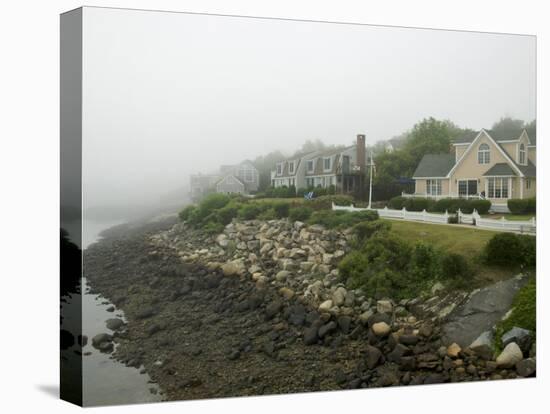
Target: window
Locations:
point(522, 154)
point(433, 187)
point(291, 167)
point(484, 154)
point(279, 168)
point(528, 184)
point(467, 188)
point(309, 165)
point(309, 182)
point(249, 175)
point(497, 187)
point(327, 164)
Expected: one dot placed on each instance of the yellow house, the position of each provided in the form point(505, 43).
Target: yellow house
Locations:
point(482, 165)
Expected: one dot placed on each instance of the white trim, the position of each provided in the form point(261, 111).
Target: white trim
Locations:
point(461, 143)
point(521, 188)
point(430, 178)
point(507, 141)
point(472, 146)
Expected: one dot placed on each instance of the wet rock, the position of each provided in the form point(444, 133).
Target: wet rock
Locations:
point(100, 339)
point(110, 309)
point(114, 324)
point(106, 347)
point(526, 367)
point(509, 356)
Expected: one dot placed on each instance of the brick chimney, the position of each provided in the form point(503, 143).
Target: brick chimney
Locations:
point(360, 147)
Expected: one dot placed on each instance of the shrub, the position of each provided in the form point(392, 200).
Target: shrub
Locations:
point(281, 209)
point(522, 206)
point(452, 205)
point(352, 268)
point(419, 204)
point(269, 214)
point(453, 219)
point(340, 218)
point(453, 265)
point(213, 227)
point(508, 249)
point(325, 202)
point(186, 212)
point(397, 203)
point(482, 206)
point(249, 211)
point(524, 312)
point(300, 213)
point(228, 212)
point(366, 229)
point(425, 264)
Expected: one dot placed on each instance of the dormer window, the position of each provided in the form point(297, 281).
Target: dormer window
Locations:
point(279, 168)
point(327, 164)
point(309, 166)
point(291, 167)
point(522, 154)
point(484, 154)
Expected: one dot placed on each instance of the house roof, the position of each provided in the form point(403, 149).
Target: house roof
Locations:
point(500, 169)
point(434, 165)
point(232, 176)
point(500, 136)
point(528, 170)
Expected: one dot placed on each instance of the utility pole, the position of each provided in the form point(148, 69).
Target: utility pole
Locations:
point(370, 180)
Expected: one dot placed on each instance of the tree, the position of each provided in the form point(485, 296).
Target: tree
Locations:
point(508, 127)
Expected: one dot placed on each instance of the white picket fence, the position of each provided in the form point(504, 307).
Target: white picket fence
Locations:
point(400, 214)
point(521, 226)
point(526, 226)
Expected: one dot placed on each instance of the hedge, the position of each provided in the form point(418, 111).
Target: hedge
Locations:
point(522, 206)
point(509, 249)
point(451, 205)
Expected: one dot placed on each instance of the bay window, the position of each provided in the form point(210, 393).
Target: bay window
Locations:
point(497, 187)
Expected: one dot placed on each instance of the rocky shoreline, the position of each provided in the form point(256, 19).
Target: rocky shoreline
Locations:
point(258, 310)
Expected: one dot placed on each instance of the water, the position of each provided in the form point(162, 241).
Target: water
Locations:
point(105, 381)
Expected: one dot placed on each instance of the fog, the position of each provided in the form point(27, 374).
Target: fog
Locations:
point(166, 95)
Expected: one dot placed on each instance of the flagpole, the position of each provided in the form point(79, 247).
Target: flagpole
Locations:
point(370, 181)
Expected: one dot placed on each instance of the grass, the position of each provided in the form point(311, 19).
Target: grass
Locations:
point(461, 240)
point(524, 312)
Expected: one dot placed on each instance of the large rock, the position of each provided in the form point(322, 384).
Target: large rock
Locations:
point(509, 356)
point(372, 356)
point(222, 240)
point(114, 324)
point(282, 275)
point(325, 306)
point(234, 268)
point(100, 339)
point(339, 296)
point(453, 350)
point(522, 337)
point(483, 346)
point(381, 329)
point(384, 306)
point(526, 367)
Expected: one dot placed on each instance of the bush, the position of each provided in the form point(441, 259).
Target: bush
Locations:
point(467, 206)
point(425, 264)
point(524, 312)
point(508, 249)
point(269, 214)
point(300, 213)
point(453, 265)
point(339, 218)
point(397, 203)
point(281, 209)
point(325, 202)
point(482, 206)
point(453, 219)
point(213, 227)
point(186, 212)
point(419, 204)
point(249, 211)
point(522, 206)
point(366, 229)
point(228, 212)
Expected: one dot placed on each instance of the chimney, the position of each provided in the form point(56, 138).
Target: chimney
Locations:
point(360, 147)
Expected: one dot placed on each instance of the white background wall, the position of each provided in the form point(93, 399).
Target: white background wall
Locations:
point(29, 131)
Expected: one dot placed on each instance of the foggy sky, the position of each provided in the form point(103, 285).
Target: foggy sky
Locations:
point(169, 94)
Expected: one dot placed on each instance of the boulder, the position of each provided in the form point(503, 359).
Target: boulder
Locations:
point(286, 293)
point(325, 306)
point(114, 324)
point(483, 345)
point(101, 338)
point(339, 296)
point(522, 337)
point(234, 268)
point(282, 275)
point(384, 306)
point(509, 356)
point(526, 367)
point(453, 350)
point(381, 329)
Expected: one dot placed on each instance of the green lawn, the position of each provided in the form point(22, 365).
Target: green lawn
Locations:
point(457, 239)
